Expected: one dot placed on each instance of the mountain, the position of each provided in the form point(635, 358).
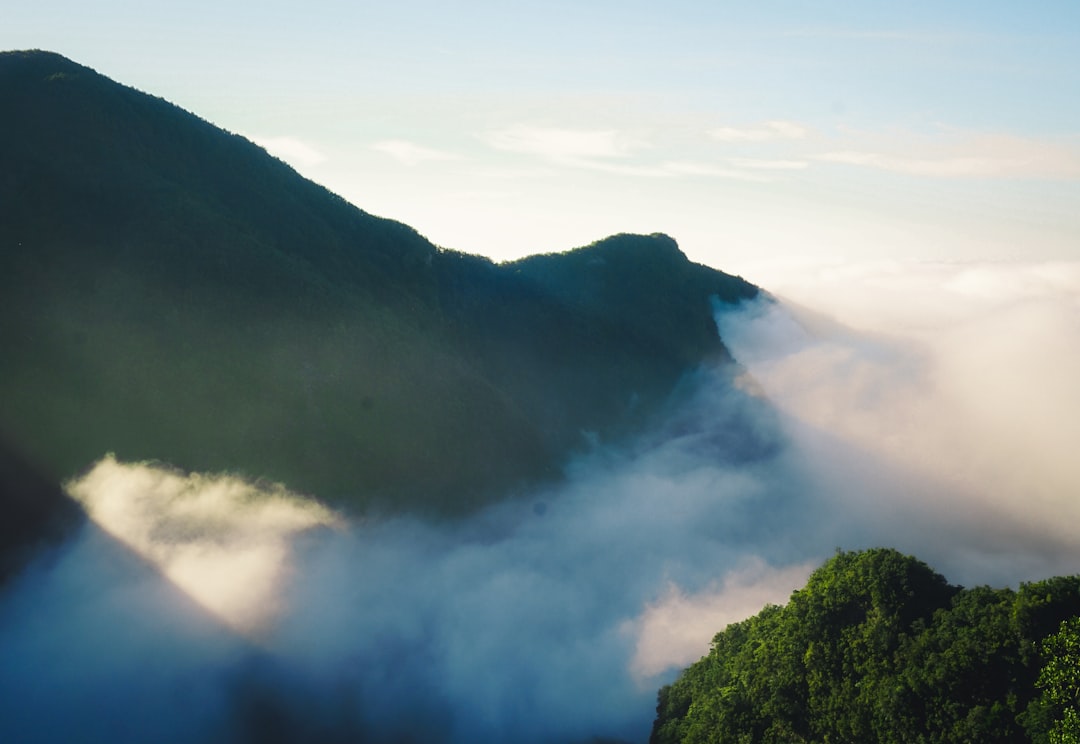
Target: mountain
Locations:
point(877, 647)
point(170, 291)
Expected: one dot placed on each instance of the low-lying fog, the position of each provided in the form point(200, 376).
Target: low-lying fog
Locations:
point(931, 408)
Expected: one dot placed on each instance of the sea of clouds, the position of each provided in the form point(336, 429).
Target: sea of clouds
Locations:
point(927, 407)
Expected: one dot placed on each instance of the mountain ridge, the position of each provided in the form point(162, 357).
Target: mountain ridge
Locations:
point(171, 291)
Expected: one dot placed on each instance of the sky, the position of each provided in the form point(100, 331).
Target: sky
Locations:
point(753, 133)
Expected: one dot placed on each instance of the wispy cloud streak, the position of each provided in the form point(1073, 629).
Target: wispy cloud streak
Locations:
point(968, 156)
point(764, 132)
point(292, 150)
point(412, 154)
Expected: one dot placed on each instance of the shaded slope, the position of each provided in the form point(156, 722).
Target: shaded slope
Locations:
point(36, 511)
point(99, 646)
point(589, 341)
point(169, 290)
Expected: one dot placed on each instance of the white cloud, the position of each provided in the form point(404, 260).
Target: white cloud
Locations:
point(967, 156)
point(943, 167)
point(923, 37)
point(412, 154)
point(675, 631)
point(671, 169)
point(222, 540)
point(682, 168)
point(769, 130)
point(961, 375)
point(572, 146)
point(767, 164)
point(613, 151)
point(292, 150)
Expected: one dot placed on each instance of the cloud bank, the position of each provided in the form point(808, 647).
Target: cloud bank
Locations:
point(940, 420)
point(962, 375)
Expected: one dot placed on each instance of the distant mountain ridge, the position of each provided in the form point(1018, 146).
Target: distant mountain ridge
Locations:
point(171, 291)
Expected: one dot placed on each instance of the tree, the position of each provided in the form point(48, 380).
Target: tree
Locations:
point(1060, 680)
point(879, 648)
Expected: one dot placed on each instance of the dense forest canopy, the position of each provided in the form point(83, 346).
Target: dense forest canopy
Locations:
point(877, 647)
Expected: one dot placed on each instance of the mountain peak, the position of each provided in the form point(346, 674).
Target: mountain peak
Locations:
point(656, 242)
point(31, 66)
point(38, 57)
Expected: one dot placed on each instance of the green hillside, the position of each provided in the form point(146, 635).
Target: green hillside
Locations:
point(877, 647)
point(170, 291)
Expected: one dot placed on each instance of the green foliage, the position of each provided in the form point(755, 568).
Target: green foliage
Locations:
point(1060, 681)
point(879, 648)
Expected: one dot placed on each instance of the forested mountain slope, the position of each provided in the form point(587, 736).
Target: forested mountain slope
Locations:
point(877, 647)
point(170, 291)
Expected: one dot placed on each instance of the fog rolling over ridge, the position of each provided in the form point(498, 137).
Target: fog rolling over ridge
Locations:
point(939, 421)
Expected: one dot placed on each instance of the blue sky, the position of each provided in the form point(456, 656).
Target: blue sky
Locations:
point(750, 132)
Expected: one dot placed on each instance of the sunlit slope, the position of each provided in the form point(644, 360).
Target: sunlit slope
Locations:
point(171, 291)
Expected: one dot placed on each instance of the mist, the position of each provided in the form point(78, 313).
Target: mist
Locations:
point(958, 377)
point(931, 408)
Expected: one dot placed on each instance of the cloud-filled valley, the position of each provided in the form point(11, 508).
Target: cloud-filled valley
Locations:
point(930, 407)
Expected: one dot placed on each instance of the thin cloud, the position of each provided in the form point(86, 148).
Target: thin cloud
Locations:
point(566, 145)
point(670, 169)
point(291, 150)
point(921, 37)
point(412, 154)
point(949, 167)
point(969, 156)
point(607, 151)
point(682, 168)
point(768, 164)
point(766, 131)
